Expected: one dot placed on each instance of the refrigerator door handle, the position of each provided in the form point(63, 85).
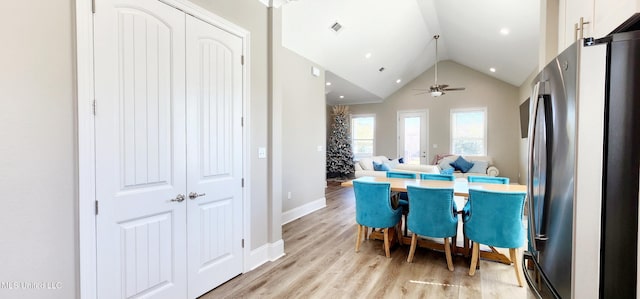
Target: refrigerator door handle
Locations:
point(535, 97)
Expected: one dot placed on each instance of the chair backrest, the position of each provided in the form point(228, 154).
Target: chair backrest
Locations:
point(437, 177)
point(373, 204)
point(432, 212)
point(401, 175)
point(495, 218)
point(488, 179)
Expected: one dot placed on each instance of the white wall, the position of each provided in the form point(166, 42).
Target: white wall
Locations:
point(38, 168)
point(303, 130)
point(500, 98)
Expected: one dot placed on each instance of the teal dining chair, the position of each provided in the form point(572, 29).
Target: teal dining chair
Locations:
point(432, 214)
point(494, 219)
point(403, 198)
point(373, 209)
point(401, 175)
point(437, 177)
point(488, 179)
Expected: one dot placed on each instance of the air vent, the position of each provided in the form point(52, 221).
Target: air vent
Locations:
point(336, 27)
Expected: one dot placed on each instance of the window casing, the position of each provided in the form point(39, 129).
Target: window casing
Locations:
point(363, 135)
point(469, 132)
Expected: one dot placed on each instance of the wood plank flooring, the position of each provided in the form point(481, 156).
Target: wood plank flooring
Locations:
point(321, 262)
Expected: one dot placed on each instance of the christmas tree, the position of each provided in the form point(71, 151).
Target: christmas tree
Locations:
point(339, 153)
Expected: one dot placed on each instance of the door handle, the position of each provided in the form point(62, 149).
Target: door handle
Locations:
point(535, 97)
point(194, 195)
point(179, 198)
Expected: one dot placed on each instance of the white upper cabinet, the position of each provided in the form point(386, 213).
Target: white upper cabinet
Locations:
point(569, 26)
point(609, 14)
point(599, 18)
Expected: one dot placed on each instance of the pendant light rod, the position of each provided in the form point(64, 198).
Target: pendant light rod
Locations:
point(436, 77)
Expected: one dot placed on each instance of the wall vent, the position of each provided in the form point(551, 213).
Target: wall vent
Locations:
point(336, 27)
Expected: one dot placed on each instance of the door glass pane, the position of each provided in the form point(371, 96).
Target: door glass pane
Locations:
point(412, 140)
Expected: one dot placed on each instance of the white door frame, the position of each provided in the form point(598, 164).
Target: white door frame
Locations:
point(426, 133)
point(86, 234)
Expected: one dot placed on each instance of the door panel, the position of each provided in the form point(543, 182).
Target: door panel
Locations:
point(140, 154)
point(214, 148)
point(413, 136)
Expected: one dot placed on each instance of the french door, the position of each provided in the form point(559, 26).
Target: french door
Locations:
point(413, 136)
point(168, 151)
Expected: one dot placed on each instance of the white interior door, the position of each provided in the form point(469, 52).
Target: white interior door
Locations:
point(214, 151)
point(413, 136)
point(140, 149)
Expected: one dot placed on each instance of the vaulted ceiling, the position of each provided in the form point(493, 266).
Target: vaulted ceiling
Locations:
point(398, 36)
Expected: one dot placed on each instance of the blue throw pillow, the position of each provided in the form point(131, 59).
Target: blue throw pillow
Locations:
point(380, 166)
point(448, 171)
point(461, 164)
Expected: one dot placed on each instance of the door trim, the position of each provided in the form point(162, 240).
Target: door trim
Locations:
point(85, 93)
point(398, 115)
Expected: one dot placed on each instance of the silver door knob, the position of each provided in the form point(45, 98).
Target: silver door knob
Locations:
point(179, 198)
point(194, 195)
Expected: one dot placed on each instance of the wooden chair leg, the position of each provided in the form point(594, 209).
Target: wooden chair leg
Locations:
point(412, 250)
point(399, 233)
point(386, 242)
point(447, 253)
point(516, 266)
point(358, 235)
point(454, 245)
point(474, 258)
point(465, 246)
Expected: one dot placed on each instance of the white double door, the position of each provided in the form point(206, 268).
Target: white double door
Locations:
point(168, 142)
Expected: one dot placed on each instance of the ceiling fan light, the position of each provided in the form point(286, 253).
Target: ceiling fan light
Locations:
point(436, 93)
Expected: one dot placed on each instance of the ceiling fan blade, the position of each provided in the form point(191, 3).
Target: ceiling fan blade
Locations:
point(443, 86)
point(454, 88)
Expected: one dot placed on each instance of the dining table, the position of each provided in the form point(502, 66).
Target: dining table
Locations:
point(461, 190)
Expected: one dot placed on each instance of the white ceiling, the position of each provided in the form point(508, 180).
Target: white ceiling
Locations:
point(399, 36)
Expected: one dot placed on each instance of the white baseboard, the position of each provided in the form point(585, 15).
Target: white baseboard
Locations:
point(303, 210)
point(276, 250)
point(265, 253)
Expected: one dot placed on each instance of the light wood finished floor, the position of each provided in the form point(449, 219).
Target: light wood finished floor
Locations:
point(320, 262)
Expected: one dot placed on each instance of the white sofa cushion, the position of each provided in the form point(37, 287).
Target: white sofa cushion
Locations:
point(418, 168)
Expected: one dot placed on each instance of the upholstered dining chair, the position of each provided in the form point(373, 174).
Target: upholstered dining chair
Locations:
point(403, 200)
point(373, 209)
point(488, 179)
point(437, 177)
point(433, 214)
point(401, 175)
point(495, 219)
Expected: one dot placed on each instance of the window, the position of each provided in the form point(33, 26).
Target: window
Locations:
point(469, 131)
point(362, 134)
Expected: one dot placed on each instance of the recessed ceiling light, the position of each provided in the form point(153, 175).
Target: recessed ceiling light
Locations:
point(493, 70)
point(367, 56)
point(342, 97)
point(399, 80)
point(504, 31)
point(328, 83)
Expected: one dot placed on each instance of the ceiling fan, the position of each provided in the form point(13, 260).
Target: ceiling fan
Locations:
point(436, 89)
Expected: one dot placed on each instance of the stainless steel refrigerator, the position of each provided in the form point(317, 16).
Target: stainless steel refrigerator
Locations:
point(584, 146)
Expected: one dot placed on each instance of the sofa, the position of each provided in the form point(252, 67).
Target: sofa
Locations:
point(483, 165)
point(365, 167)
